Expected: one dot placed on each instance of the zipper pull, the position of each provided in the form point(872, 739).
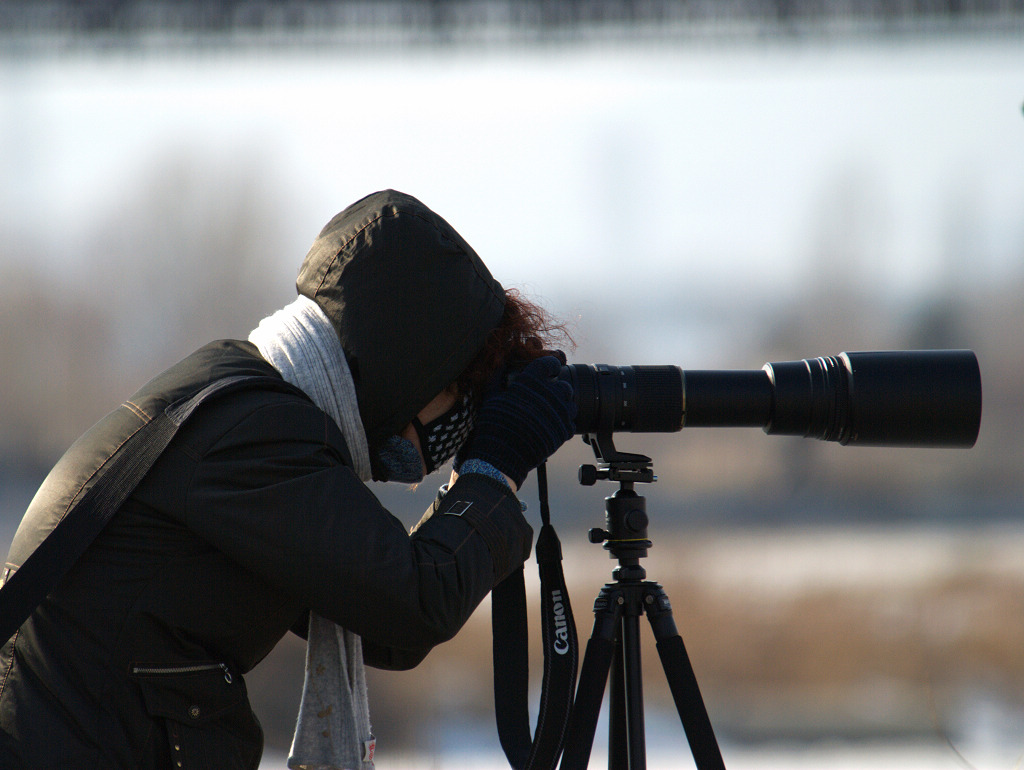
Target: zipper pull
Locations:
point(227, 673)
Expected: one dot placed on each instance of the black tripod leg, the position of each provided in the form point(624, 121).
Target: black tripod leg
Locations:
point(618, 740)
point(592, 680)
point(682, 682)
point(629, 752)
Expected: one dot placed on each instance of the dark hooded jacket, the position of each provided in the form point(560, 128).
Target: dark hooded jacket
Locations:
point(253, 516)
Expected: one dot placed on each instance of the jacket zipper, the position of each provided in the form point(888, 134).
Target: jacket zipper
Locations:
point(170, 670)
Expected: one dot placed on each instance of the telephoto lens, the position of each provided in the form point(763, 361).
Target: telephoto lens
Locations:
point(926, 398)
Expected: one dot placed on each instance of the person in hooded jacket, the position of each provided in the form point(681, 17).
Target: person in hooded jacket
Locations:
point(256, 518)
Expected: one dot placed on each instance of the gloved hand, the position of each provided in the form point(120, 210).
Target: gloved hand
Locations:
point(519, 427)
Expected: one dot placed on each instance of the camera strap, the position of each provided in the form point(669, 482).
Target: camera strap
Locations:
point(511, 654)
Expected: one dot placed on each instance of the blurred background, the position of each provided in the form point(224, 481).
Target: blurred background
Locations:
point(707, 184)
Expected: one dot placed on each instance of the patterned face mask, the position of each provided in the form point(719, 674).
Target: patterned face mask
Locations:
point(441, 438)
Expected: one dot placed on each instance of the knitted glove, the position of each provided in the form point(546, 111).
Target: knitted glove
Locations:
point(519, 427)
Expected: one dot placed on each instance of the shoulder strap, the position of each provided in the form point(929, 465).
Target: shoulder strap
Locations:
point(26, 588)
point(511, 658)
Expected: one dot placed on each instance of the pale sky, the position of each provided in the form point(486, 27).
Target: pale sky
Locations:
point(587, 166)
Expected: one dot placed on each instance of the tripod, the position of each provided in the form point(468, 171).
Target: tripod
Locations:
point(614, 646)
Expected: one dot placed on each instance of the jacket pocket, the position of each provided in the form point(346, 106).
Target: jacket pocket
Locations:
point(205, 711)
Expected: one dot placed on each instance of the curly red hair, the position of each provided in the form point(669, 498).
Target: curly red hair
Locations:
point(526, 331)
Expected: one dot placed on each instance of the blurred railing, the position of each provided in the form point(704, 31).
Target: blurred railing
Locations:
point(399, 22)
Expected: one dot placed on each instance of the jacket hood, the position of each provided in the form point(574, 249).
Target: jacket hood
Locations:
point(411, 301)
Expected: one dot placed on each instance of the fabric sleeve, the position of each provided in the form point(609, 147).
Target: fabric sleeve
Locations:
point(275, 495)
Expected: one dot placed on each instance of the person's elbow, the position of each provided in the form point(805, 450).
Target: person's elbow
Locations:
point(431, 617)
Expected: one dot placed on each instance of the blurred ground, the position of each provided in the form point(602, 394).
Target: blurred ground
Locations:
point(904, 635)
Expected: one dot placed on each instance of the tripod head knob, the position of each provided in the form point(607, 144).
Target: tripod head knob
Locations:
point(636, 521)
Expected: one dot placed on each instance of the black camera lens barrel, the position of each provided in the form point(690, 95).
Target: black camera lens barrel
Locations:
point(882, 398)
point(885, 398)
point(636, 399)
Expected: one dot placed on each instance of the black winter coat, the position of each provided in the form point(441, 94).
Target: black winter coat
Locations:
point(250, 518)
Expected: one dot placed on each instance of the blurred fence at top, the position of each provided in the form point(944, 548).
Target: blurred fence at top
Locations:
point(28, 23)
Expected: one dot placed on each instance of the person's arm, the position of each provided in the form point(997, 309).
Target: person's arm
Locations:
point(274, 495)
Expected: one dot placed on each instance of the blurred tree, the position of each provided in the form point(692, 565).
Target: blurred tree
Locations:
point(191, 256)
point(53, 344)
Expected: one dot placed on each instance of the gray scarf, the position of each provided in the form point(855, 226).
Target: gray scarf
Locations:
point(332, 731)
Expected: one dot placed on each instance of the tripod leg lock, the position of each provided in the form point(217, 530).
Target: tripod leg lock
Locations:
point(659, 612)
point(608, 612)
